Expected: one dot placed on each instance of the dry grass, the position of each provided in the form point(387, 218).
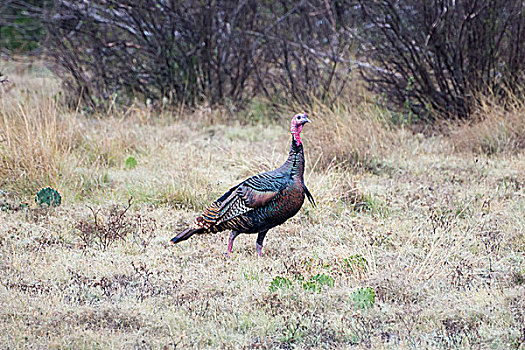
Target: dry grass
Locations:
point(41, 144)
point(495, 129)
point(35, 141)
point(352, 133)
point(438, 235)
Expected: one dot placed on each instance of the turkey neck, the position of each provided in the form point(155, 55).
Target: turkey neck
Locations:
point(295, 162)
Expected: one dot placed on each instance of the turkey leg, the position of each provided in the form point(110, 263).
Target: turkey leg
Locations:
point(230, 242)
point(259, 243)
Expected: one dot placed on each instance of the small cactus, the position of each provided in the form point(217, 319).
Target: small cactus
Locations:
point(131, 162)
point(316, 283)
point(280, 283)
point(48, 197)
point(363, 298)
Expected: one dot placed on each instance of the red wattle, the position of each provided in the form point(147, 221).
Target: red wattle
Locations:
point(296, 132)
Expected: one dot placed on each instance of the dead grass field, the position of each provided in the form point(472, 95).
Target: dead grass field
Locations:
point(434, 225)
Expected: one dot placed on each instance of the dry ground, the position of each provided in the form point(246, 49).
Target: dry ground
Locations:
point(435, 231)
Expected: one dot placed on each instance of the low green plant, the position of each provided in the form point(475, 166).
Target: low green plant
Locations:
point(316, 283)
point(130, 162)
point(293, 331)
point(280, 283)
point(48, 197)
point(5, 201)
point(363, 298)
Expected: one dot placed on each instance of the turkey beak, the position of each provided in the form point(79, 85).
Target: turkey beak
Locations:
point(306, 120)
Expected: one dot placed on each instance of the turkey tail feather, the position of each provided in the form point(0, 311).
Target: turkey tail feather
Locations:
point(184, 235)
point(309, 195)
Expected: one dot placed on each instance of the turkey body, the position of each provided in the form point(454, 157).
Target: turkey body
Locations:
point(257, 204)
point(285, 204)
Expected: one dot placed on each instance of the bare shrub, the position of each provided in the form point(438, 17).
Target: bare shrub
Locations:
point(456, 332)
point(158, 50)
point(189, 53)
point(306, 50)
point(103, 232)
point(436, 56)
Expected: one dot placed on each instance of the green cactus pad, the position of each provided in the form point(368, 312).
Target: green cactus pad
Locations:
point(363, 298)
point(48, 197)
point(131, 162)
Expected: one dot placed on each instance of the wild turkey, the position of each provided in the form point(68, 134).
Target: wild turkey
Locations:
point(260, 202)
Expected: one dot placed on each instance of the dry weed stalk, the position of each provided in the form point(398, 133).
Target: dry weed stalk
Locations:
point(6, 85)
point(116, 226)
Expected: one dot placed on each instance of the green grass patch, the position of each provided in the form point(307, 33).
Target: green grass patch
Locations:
point(356, 263)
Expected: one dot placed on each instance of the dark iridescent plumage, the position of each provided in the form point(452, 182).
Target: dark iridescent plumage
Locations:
point(260, 202)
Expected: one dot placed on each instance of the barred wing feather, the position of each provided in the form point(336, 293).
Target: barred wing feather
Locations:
point(253, 193)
